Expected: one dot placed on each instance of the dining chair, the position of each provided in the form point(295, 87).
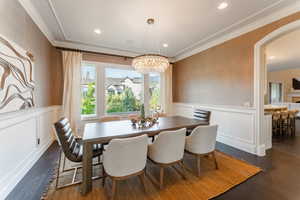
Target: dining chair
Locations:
point(72, 148)
point(160, 114)
point(124, 158)
point(109, 118)
point(167, 150)
point(133, 116)
point(201, 143)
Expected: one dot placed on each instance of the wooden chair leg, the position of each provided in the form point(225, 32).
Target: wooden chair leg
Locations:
point(142, 179)
point(198, 165)
point(104, 176)
point(161, 177)
point(215, 160)
point(183, 170)
point(114, 189)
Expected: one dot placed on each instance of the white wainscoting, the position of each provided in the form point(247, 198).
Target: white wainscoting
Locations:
point(236, 125)
point(267, 130)
point(19, 145)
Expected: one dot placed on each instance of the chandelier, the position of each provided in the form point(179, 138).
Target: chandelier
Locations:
point(150, 62)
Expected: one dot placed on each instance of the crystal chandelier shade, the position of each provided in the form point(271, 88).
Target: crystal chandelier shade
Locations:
point(150, 63)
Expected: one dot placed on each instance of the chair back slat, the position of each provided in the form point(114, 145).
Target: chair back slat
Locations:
point(202, 115)
point(67, 140)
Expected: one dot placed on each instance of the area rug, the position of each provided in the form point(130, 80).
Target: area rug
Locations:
point(210, 184)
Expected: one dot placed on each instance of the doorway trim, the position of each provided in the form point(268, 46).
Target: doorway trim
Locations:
point(259, 82)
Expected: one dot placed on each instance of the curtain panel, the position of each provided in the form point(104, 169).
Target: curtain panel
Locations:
point(71, 92)
point(166, 90)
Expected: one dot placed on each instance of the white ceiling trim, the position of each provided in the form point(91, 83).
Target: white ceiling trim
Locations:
point(221, 32)
point(35, 16)
point(295, 7)
point(57, 19)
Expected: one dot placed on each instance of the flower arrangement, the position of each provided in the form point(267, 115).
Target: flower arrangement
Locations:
point(142, 121)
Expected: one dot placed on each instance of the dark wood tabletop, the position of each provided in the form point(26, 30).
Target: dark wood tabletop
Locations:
point(102, 132)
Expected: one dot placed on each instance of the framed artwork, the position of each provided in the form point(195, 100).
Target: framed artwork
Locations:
point(16, 77)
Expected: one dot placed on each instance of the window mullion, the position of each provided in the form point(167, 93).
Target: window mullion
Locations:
point(146, 94)
point(100, 91)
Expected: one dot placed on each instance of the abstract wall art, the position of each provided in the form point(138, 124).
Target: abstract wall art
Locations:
point(16, 77)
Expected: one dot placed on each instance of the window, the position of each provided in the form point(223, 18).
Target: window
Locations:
point(154, 91)
point(88, 90)
point(116, 89)
point(275, 91)
point(123, 90)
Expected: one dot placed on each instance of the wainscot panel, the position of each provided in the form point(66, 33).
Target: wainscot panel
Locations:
point(24, 137)
point(236, 125)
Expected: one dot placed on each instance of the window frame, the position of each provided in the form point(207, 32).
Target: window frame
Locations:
point(91, 116)
point(100, 89)
point(281, 92)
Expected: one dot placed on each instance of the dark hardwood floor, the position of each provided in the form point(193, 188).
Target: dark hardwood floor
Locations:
point(278, 181)
point(34, 183)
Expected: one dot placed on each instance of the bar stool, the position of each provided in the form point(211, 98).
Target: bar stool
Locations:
point(292, 121)
point(284, 123)
point(276, 128)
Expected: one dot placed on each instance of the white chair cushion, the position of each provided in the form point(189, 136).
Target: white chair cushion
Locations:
point(168, 147)
point(202, 139)
point(125, 157)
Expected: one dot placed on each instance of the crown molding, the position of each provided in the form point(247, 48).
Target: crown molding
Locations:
point(57, 19)
point(36, 17)
point(94, 48)
point(217, 39)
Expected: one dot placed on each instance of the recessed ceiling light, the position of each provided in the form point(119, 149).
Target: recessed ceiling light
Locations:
point(223, 5)
point(272, 57)
point(165, 45)
point(97, 31)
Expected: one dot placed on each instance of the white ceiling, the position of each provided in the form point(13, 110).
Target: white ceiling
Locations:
point(286, 52)
point(183, 24)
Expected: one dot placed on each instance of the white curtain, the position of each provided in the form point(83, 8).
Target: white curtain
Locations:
point(166, 90)
point(71, 93)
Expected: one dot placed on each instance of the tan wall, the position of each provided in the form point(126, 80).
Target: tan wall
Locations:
point(285, 77)
point(17, 26)
point(222, 75)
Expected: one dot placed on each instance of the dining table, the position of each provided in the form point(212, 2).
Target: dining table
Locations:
point(103, 132)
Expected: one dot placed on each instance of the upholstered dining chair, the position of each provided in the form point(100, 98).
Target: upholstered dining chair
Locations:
point(202, 142)
point(72, 149)
point(167, 150)
point(124, 158)
point(109, 118)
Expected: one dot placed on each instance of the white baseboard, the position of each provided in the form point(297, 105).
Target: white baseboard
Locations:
point(19, 149)
point(236, 143)
point(16, 175)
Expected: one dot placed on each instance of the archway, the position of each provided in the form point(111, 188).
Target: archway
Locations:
point(259, 82)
